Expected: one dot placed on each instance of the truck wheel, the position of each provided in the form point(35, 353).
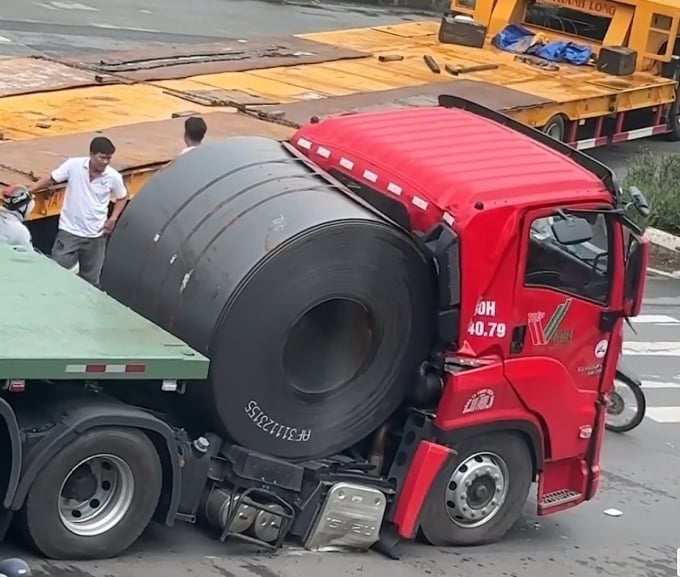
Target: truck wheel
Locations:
point(94, 498)
point(555, 127)
point(480, 493)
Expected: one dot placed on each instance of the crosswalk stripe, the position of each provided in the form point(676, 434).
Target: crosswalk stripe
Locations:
point(649, 348)
point(659, 385)
point(655, 320)
point(663, 414)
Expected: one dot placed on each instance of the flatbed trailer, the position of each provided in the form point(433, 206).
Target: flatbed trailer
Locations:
point(50, 108)
point(83, 333)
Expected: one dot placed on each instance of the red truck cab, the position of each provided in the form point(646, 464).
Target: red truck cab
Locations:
point(539, 266)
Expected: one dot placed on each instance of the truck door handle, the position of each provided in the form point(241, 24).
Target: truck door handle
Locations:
point(519, 333)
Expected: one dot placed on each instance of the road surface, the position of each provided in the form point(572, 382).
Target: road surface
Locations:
point(640, 468)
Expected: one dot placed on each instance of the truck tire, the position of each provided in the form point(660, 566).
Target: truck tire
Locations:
point(555, 127)
point(114, 478)
point(454, 515)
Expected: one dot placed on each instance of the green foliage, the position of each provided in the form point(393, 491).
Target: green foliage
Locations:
point(658, 177)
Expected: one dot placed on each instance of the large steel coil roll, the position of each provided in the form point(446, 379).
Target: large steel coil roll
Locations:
point(314, 310)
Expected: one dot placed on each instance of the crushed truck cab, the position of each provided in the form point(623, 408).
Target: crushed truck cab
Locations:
point(405, 332)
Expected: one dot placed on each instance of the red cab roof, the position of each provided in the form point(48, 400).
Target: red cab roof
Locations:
point(451, 157)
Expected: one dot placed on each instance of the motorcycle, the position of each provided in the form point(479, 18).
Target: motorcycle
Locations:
point(627, 402)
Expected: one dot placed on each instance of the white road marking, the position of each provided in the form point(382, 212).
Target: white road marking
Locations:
point(111, 27)
point(73, 6)
point(659, 385)
point(655, 319)
point(657, 349)
point(663, 414)
point(674, 274)
point(5, 40)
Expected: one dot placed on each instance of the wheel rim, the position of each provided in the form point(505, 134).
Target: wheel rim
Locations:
point(96, 495)
point(477, 490)
point(554, 130)
point(623, 406)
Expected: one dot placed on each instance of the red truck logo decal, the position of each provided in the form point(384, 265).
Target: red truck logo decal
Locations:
point(551, 332)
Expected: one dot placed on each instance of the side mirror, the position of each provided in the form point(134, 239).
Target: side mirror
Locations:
point(639, 201)
point(572, 230)
point(637, 260)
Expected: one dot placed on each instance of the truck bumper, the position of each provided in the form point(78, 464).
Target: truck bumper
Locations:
point(428, 460)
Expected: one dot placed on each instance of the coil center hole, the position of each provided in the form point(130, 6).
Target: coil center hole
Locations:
point(328, 346)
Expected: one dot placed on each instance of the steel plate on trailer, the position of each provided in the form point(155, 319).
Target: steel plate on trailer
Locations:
point(236, 55)
point(27, 75)
point(137, 145)
point(492, 96)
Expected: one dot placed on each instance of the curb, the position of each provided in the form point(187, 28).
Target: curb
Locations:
point(663, 239)
point(669, 243)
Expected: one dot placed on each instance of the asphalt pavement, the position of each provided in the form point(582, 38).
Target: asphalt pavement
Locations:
point(640, 468)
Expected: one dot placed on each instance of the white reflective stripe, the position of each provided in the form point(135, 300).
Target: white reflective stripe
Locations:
point(75, 368)
point(658, 349)
point(640, 133)
point(304, 143)
point(448, 219)
point(323, 152)
point(345, 163)
point(419, 202)
point(585, 144)
point(115, 368)
point(370, 176)
point(394, 189)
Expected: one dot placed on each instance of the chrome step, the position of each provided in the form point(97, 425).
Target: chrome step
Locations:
point(560, 497)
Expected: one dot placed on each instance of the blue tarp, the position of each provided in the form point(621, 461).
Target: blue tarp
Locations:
point(515, 38)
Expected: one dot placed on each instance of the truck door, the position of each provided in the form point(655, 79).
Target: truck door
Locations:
point(558, 346)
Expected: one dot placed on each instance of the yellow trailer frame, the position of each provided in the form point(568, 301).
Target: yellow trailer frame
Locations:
point(50, 109)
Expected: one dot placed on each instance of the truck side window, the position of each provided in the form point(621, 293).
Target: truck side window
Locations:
point(581, 270)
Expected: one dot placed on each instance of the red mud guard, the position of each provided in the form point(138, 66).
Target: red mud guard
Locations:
point(427, 462)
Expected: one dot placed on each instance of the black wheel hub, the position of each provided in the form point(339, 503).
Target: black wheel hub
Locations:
point(481, 492)
point(82, 484)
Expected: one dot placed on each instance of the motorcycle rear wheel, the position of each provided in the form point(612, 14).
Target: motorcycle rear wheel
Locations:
point(621, 415)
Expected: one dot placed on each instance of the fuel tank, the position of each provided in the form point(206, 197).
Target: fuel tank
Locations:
point(313, 308)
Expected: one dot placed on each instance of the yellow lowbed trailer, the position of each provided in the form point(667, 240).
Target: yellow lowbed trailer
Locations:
point(50, 109)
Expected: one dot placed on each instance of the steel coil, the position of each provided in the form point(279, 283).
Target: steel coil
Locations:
point(314, 309)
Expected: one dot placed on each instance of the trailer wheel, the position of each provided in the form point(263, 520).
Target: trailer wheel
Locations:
point(555, 127)
point(94, 498)
point(480, 493)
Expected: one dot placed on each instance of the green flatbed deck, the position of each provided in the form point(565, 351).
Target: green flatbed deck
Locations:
point(54, 325)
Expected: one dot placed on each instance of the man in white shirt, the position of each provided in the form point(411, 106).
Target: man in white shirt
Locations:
point(17, 204)
point(194, 132)
point(91, 184)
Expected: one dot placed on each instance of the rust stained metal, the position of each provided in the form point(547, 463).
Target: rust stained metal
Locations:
point(497, 97)
point(141, 149)
point(174, 62)
point(220, 97)
point(27, 75)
